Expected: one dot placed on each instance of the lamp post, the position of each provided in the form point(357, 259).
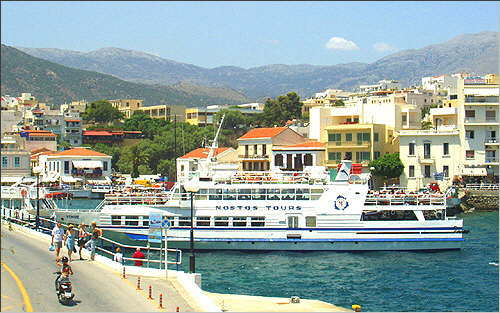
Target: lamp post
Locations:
point(192, 188)
point(371, 177)
point(36, 171)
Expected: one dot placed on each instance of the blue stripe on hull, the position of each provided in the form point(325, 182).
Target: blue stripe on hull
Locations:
point(284, 228)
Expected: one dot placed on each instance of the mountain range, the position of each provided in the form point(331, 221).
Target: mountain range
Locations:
point(473, 53)
point(55, 83)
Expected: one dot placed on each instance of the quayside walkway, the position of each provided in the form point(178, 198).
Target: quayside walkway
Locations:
point(28, 273)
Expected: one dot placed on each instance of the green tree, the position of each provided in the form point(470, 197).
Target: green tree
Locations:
point(233, 119)
point(426, 125)
point(134, 159)
point(167, 168)
point(102, 111)
point(388, 166)
point(339, 103)
point(278, 111)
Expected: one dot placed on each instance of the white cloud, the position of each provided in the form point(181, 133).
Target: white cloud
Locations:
point(339, 43)
point(383, 47)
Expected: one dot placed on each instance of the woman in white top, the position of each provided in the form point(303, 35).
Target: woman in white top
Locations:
point(118, 256)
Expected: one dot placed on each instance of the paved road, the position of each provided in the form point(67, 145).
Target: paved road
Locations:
point(95, 288)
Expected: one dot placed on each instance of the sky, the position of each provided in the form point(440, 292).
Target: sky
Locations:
point(245, 34)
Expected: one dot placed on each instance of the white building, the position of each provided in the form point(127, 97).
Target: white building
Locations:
point(75, 164)
point(15, 158)
point(381, 85)
point(427, 155)
point(439, 83)
point(190, 164)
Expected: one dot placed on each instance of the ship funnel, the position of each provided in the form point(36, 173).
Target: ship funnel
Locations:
point(344, 171)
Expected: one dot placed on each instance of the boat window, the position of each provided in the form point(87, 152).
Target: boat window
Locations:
point(257, 221)
point(184, 221)
point(239, 221)
point(203, 221)
point(132, 220)
point(229, 194)
point(244, 194)
point(310, 221)
point(201, 194)
point(273, 194)
point(215, 194)
point(145, 221)
point(116, 219)
point(388, 215)
point(221, 221)
point(288, 194)
point(316, 194)
point(258, 194)
point(302, 194)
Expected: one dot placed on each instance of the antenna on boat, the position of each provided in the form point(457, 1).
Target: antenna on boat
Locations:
point(214, 142)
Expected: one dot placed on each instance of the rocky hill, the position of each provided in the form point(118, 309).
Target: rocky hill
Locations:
point(475, 53)
point(55, 83)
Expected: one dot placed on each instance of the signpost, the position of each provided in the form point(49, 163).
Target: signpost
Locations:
point(158, 223)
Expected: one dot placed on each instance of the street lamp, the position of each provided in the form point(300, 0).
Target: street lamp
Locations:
point(37, 170)
point(192, 188)
point(371, 177)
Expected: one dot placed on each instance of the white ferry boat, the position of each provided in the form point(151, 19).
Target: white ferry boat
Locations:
point(282, 211)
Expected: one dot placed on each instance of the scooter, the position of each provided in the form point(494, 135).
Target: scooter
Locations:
point(63, 289)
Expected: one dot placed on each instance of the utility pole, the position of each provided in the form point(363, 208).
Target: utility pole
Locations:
point(175, 146)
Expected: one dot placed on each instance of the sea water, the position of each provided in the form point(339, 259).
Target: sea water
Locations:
point(457, 280)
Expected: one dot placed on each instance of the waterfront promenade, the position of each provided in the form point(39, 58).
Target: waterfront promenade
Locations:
point(27, 284)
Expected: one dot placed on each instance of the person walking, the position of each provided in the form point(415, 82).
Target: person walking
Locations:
point(57, 239)
point(95, 233)
point(69, 239)
point(82, 235)
point(138, 255)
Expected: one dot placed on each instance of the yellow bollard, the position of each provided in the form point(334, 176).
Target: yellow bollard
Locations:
point(356, 307)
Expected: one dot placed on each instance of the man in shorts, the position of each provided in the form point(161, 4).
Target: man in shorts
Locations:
point(57, 239)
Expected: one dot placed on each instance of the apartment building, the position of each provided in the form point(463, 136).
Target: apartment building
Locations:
point(385, 84)
point(329, 97)
point(256, 146)
point(163, 111)
point(15, 158)
point(205, 116)
point(297, 157)
point(479, 113)
point(189, 165)
point(429, 156)
point(37, 139)
point(127, 106)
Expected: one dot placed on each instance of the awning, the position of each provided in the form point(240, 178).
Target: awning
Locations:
point(70, 179)
point(87, 164)
point(473, 171)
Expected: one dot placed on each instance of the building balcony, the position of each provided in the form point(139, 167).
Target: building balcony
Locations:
point(491, 141)
point(443, 111)
point(481, 122)
point(253, 157)
point(348, 144)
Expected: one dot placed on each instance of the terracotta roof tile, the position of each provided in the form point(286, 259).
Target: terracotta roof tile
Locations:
point(80, 152)
point(97, 133)
point(262, 133)
point(202, 153)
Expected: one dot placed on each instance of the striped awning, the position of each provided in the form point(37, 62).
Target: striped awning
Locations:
point(87, 164)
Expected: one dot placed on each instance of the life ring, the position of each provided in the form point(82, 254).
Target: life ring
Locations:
point(24, 192)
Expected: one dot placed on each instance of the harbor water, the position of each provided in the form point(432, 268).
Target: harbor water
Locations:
point(458, 280)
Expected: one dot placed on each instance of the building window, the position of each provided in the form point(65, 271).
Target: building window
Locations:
point(246, 150)
point(491, 134)
point(469, 134)
point(427, 150)
point(363, 137)
point(376, 155)
point(469, 154)
point(278, 160)
point(105, 165)
point(411, 148)
point(17, 162)
point(348, 137)
point(427, 171)
point(66, 167)
point(470, 113)
point(333, 137)
point(490, 115)
point(375, 137)
point(363, 156)
point(264, 150)
point(255, 149)
point(411, 171)
point(446, 171)
point(334, 156)
point(446, 149)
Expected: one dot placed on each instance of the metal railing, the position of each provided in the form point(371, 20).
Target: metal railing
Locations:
point(482, 186)
point(46, 225)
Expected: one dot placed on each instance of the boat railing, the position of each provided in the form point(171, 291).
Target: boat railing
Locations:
point(47, 224)
point(151, 199)
point(481, 186)
point(406, 199)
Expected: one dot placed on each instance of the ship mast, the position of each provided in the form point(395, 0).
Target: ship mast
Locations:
point(214, 146)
